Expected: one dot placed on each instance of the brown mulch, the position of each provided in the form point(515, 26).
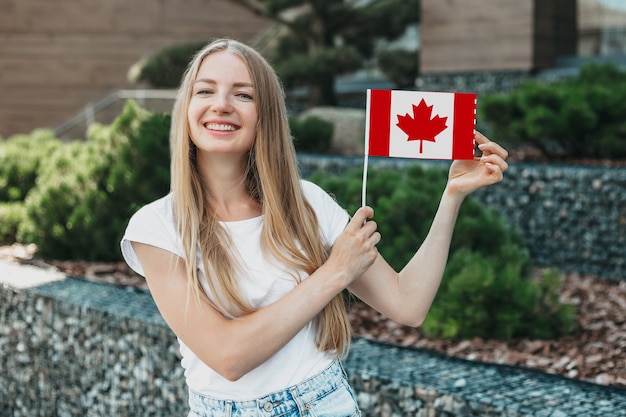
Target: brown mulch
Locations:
point(596, 353)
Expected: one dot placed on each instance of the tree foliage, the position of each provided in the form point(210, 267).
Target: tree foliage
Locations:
point(328, 38)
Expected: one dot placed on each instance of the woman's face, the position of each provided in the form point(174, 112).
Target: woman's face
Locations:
point(222, 113)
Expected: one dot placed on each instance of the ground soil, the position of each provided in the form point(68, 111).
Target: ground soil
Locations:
point(596, 353)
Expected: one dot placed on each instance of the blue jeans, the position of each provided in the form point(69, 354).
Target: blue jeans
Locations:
point(326, 394)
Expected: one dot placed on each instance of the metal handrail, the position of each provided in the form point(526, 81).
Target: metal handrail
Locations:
point(90, 111)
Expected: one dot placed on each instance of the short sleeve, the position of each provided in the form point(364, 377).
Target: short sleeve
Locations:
point(332, 217)
point(154, 225)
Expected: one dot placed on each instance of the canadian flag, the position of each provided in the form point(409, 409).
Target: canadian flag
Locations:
point(420, 124)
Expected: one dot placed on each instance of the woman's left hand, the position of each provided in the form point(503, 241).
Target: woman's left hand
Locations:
point(467, 176)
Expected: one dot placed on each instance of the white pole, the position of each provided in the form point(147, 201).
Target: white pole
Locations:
point(366, 147)
point(365, 163)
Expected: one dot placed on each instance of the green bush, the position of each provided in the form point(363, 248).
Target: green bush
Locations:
point(86, 191)
point(62, 207)
point(582, 116)
point(490, 296)
point(165, 68)
point(20, 157)
point(311, 134)
point(488, 289)
point(11, 216)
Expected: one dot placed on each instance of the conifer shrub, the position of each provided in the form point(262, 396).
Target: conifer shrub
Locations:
point(87, 190)
point(488, 288)
point(20, 157)
point(62, 207)
point(581, 116)
point(11, 216)
point(311, 134)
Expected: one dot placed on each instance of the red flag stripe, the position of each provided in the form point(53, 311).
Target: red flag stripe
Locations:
point(464, 125)
point(379, 122)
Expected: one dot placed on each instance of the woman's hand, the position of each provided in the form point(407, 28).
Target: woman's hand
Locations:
point(354, 251)
point(467, 176)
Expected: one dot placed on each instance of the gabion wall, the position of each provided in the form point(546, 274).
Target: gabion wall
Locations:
point(70, 348)
point(61, 359)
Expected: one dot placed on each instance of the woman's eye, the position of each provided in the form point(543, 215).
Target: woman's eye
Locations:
point(245, 96)
point(203, 92)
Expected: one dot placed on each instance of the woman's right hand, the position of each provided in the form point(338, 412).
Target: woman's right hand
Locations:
point(354, 251)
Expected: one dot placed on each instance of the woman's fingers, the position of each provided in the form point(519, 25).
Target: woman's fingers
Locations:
point(488, 147)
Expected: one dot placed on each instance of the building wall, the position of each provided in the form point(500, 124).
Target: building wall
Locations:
point(56, 56)
point(483, 35)
point(602, 28)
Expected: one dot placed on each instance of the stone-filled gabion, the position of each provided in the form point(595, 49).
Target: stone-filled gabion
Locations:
point(78, 348)
point(66, 358)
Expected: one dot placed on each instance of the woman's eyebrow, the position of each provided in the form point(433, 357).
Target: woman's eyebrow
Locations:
point(210, 81)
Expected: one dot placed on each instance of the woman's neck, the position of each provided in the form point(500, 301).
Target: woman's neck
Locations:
point(227, 191)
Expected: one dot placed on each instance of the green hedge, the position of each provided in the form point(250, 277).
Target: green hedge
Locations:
point(488, 289)
point(20, 157)
point(11, 216)
point(86, 191)
point(581, 116)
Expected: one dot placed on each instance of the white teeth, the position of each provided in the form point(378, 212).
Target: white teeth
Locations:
point(220, 126)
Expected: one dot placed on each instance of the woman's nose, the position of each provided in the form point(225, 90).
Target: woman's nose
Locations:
point(222, 103)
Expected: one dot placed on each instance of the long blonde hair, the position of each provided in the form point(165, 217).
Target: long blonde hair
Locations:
point(291, 231)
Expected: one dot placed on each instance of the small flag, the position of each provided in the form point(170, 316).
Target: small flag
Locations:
point(420, 124)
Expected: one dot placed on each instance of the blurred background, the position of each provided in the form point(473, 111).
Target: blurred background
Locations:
point(65, 64)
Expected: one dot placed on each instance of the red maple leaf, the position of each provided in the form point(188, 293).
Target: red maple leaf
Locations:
point(421, 126)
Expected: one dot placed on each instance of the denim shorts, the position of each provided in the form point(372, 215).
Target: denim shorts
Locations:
point(323, 395)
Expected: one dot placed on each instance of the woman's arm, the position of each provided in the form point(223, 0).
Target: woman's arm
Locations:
point(406, 297)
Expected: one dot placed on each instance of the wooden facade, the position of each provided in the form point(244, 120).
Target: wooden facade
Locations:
point(56, 56)
point(488, 35)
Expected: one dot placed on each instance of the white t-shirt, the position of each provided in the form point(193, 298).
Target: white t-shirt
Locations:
point(262, 283)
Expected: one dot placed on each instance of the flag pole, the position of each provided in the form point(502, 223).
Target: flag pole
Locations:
point(366, 148)
point(365, 163)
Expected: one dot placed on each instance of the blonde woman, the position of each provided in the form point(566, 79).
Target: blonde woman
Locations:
point(247, 262)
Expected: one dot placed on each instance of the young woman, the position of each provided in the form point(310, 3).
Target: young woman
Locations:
point(247, 262)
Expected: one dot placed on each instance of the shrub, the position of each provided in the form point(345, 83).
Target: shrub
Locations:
point(487, 289)
point(490, 296)
point(165, 68)
point(62, 206)
point(86, 191)
point(11, 216)
point(20, 157)
point(311, 134)
point(582, 116)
